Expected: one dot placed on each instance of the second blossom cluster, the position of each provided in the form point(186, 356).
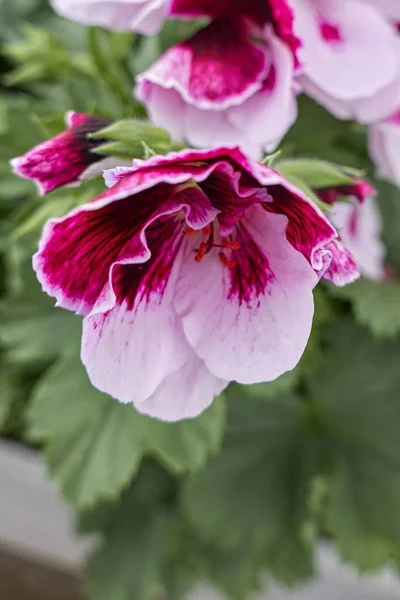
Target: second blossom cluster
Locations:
point(236, 81)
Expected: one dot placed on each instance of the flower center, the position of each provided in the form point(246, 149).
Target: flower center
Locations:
point(225, 246)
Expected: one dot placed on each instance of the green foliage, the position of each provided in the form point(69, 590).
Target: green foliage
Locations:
point(316, 173)
point(94, 445)
point(31, 329)
point(357, 395)
point(245, 496)
point(128, 139)
point(375, 305)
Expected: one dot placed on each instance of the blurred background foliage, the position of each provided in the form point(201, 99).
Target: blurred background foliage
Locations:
point(251, 485)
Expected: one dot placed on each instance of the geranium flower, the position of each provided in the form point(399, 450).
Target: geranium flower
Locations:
point(278, 13)
point(193, 270)
point(384, 147)
point(359, 223)
point(66, 158)
point(350, 56)
point(221, 87)
point(143, 16)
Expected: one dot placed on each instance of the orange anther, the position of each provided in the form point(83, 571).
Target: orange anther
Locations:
point(231, 245)
point(230, 264)
point(189, 231)
point(207, 229)
point(201, 252)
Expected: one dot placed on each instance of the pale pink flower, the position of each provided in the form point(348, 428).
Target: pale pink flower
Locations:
point(359, 224)
point(221, 87)
point(193, 270)
point(351, 57)
point(384, 147)
point(143, 16)
point(66, 158)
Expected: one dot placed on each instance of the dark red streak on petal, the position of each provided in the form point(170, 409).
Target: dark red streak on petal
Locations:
point(147, 281)
point(251, 273)
point(306, 228)
point(82, 248)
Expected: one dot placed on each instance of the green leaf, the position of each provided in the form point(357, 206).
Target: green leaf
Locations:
point(284, 383)
point(129, 137)
point(257, 488)
point(95, 444)
point(186, 445)
point(376, 305)
point(92, 447)
point(32, 329)
point(131, 561)
point(9, 389)
point(357, 395)
point(316, 173)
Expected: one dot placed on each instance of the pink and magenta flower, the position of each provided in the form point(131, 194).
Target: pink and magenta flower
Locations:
point(66, 158)
point(192, 270)
point(143, 16)
point(384, 147)
point(277, 13)
point(222, 87)
point(357, 219)
point(350, 56)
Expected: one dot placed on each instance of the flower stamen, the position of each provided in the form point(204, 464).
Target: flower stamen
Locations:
point(230, 264)
point(201, 252)
point(190, 232)
point(231, 245)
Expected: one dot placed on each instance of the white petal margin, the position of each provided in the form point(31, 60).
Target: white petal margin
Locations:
point(256, 341)
point(184, 394)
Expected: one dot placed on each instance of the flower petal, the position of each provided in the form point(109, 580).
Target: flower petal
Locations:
point(65, 158)
point(278, 13)
point(249, 323)
point(184, 394)
point(390, 8)
point(349, 50)
point(343, 268)
point(266, 117)
point(360, 227)
point(366, 110)
point(130, 349)
point(384, 148)
point(77, 252)
point(216, 68)
point(308, 230)
point(143, 16)
point(253, 9)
